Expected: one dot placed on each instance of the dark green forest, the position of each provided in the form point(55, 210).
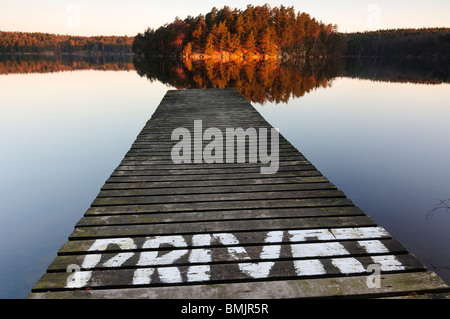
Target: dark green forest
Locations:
point(399, 43)
point(39, 43)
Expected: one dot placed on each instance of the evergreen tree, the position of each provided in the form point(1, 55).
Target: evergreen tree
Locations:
point(260, 29)
point(250, 42)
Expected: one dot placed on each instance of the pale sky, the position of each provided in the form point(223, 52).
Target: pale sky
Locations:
point(113, 17)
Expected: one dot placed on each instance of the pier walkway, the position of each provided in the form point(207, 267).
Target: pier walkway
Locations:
point(227, 229)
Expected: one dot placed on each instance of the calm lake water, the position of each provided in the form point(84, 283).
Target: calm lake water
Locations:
point(385, 144)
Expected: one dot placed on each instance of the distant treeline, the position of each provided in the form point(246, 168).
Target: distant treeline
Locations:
point(255, 31)
point(399, 43)
point(24, 42)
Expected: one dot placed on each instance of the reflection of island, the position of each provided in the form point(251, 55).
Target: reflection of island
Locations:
point(10, 64)
point(273, 81)
point(258, 81)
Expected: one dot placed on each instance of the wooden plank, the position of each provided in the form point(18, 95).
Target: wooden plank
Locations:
point(168, 155)
point(214, 183)
point(168, 165)
point(156, 178)
point(216, 171)
point(218, 273)
point(247, 238)
point(213, 206)
point(163, 218)
point(215, 189)
point(164, 146)
point(397, 284)
point(214, 226)
point(254, 253)
point(148, 159)
point(215, 197)
point(148, 170)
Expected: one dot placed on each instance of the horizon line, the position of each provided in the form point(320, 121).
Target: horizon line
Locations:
point(132, 36)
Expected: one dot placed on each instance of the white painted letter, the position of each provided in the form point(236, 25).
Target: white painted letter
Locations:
point(147, 258)
point(91, 260)
point(309, 267)
point(200, 272)
point(259, 269)
point(348, 265)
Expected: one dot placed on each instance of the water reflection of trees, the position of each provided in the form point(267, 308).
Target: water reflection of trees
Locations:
point(10, 64)
point(258, 81)
point(413, 70)
point(270, 80)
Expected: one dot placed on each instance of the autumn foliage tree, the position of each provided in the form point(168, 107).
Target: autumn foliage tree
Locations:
point(255, 30)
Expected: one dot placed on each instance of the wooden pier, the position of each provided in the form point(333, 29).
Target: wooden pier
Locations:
point(159, 229)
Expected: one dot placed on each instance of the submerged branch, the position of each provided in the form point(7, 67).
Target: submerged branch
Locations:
point(442, 205)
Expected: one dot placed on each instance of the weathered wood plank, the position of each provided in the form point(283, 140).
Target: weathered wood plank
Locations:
point(214, 226)
point(168, 165)
point(218, 273)
point(163, 218)
point(212, 206)
point(215, 197)
point(257, 253)
point(216, 189)
point(215, 171)
point(213, 168)
point(247, 238)
point(157, 178)
point(168, 155)
point(167, 145)
point(215, 183)
point(396, 284)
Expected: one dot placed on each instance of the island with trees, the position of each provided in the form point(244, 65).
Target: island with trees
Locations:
point(256, 49)
point(259, 32)
point(262, 32)
point(256, 33)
